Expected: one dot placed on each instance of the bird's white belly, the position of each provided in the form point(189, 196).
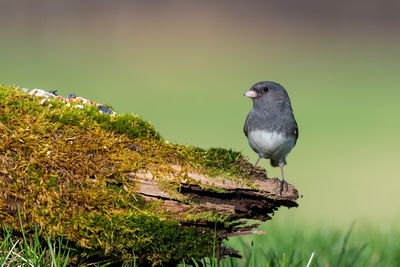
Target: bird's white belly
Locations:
point(270, 144)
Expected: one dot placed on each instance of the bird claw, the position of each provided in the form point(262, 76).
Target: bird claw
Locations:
point(284, 184)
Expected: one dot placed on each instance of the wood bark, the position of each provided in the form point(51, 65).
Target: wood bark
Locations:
point(235, 201)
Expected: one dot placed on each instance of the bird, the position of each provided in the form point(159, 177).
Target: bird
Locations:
point(270, 126)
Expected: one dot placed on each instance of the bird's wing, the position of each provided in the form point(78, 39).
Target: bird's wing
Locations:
point(296, 132)
point(245, 130)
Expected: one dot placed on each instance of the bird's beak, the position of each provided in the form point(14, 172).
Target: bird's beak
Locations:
point(251, 93)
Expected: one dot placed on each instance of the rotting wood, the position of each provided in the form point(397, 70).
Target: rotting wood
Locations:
point(236, 201)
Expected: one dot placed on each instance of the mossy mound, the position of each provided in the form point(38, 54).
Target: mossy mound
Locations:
point(70, 171)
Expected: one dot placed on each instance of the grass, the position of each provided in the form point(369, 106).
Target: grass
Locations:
point(284, 245)
point(18, 250)
point(15, 251)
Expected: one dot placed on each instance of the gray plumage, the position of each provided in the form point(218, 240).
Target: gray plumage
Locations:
point(270, 126)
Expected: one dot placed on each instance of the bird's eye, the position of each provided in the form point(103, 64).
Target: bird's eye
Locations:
point(265, 89)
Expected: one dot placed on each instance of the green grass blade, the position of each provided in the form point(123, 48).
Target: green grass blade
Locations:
point(7, 236)
point(26, 248)
point(357, 255)
point(60, 240)
point(53, 256)
point(309, 262)
point(66, 260)
point(195, 262)
point(251, 263)
point(344, 245)
point(214, 241)
point(9, 253)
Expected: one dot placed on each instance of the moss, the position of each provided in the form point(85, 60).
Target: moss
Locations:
point(125, 233)
point(73, 171)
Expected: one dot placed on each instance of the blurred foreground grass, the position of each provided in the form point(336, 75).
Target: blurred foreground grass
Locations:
point(286, 244)
point(358, 245)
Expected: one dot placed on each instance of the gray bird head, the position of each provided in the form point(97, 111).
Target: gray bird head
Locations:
point(268, 95)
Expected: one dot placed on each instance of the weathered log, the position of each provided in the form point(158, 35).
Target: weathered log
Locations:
point(236, 201)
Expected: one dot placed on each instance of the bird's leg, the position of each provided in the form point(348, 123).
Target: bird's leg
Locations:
point(255, 164)
point(283, 182)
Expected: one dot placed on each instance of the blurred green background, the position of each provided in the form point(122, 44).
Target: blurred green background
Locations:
point(184, 66)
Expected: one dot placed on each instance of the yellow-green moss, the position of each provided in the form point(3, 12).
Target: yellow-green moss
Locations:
point(71, 169)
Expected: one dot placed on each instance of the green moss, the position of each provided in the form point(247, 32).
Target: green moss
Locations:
point(73, 171)
point(131, 125)
point(124, 233)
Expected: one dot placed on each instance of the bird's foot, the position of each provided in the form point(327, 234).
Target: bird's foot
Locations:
point(285, 185)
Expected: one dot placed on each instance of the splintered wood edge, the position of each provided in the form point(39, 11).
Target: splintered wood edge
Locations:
point(264, 188)
point(239, 201)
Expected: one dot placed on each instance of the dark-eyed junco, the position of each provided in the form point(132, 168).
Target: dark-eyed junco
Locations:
point(270, 126)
